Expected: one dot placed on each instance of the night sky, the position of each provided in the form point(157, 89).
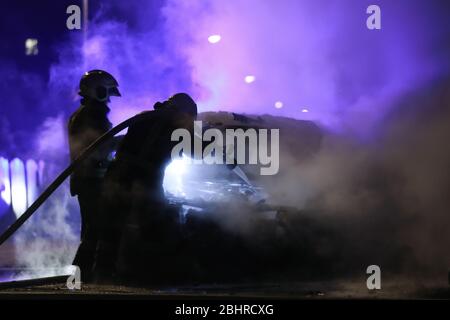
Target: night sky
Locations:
point(25, 76)
point(317, 58)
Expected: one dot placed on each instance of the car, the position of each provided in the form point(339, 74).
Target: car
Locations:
point(233, 228)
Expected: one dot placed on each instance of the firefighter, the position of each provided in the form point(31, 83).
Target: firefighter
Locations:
point(135, 223)
point(87, 124)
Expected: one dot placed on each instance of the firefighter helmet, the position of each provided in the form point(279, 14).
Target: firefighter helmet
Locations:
point(98, 85)
point(181, 102)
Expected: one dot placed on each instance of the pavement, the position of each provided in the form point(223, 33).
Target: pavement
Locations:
point(394, 288)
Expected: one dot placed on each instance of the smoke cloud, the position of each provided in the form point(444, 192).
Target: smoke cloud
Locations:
point(318, 56)
point(382, 203)
point(380, 177)
point(45, 245)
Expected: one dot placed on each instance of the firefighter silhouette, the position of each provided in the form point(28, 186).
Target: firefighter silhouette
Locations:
point(137, 229)
point(86, 124)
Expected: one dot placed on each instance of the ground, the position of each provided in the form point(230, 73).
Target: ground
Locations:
point(334, 289)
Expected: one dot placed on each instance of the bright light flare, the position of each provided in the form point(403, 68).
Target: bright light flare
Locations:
point(5, 183)
point(18, 187)
point(32, 173)
point(214, 38)
point(249, 79)
point(31, 47)
point(278, 104)
point(305, 110)
point(173, 176)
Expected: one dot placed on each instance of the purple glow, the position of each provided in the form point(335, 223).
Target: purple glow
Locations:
point(5, 278)
point(313, 60)
point(315, 53)
point(319, 54)
point(32, 181)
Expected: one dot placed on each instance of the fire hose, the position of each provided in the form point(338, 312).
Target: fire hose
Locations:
point(67, 172)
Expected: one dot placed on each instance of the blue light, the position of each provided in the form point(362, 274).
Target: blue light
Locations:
point(18, 187)
point(5, 184)
point(32, 181)
point(173, 177)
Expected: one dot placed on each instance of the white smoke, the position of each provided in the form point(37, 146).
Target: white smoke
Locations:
point(45, 245)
